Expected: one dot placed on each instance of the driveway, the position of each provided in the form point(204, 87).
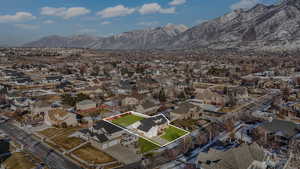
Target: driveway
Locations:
point(159, 140)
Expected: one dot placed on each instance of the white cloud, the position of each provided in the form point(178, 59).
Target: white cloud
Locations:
point(119, 10)
point(48, 22)
point(87, 30)
point(65, 13)
point(244, 4)
point(155, 8)
point(148, 24)
point(105, 23)
point(27, 26)
point(18, 17)
point(177, 2)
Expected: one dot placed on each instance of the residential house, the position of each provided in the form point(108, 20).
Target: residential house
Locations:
point(278, 131)
point(60, 117)
point(40, 107)
point(21, 103)
point(53, 79)
point(147, 106)
point(129, 101)
point(237, 92)
point(103, 134)
point(210, 97)
point(184, 111)
point(242, 157)
point(85, 105)
point(150, 127)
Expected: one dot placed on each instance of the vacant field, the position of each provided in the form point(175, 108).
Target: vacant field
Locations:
point(49, 132)
point(172, 133)
point(68, 142)
point(146, 146)
point(127, 120)
point(92, 155)
point(63, 140)
point(18, 161)
point(64, 132)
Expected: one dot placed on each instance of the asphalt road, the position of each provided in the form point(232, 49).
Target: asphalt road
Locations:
point(51, 158)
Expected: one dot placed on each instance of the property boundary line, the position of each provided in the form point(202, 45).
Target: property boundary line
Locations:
point(143, 115)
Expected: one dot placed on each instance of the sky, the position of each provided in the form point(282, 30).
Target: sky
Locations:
point(22, 21)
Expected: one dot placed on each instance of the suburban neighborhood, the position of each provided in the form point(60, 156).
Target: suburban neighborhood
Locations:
point(142, 113)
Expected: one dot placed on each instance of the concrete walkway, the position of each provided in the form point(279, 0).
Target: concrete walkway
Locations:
point(160, 140)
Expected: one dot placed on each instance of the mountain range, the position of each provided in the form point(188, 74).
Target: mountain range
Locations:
point(272, 27)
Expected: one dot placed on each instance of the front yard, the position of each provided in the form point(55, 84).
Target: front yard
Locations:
point(146, 146)
point(92, 155)
point(127, 120)
point(172, 133)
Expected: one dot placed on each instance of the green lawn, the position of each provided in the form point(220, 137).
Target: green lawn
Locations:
point(127, 120)
point(173, 133)
point(146, 145)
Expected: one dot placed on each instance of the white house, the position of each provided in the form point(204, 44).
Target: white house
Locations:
point(150, 127)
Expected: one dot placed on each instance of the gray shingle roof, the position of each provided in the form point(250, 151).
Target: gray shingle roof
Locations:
point(289, 129)
point(109, 128)
point(236, 158)
point(148, 123)
point(183, 108)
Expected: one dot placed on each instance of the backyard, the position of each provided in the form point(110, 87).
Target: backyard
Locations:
point(127, 120)
point(172, 133)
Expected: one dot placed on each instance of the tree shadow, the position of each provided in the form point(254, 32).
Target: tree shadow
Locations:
point(4, 150)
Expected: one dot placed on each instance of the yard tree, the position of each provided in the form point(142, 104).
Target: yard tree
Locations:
point(182, 95)
point(294, 150)
point(80, 97)
point(202, 138)
point(67, 99)
point(187, 143)
point(171, 154)
point(229, 125)
point(82, 69)
point(96, 70)
point(162, 96)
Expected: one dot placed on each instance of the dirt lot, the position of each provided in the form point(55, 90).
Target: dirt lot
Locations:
point(68, 142)
point(49, 132)
point(92, 155)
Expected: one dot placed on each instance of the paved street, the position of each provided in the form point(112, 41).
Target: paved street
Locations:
point(53, 159)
